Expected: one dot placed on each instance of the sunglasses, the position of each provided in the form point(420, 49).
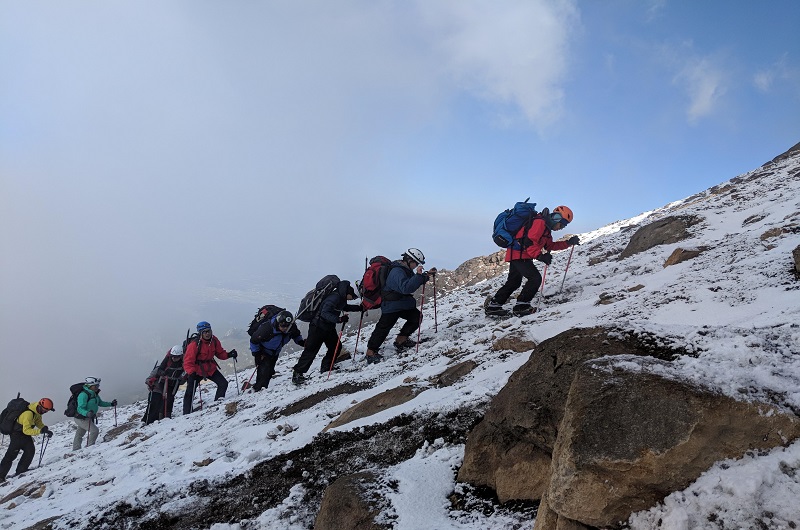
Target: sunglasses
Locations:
point(558, 218)
point(206, 331)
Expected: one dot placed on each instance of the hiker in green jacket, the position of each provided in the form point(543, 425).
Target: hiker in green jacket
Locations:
point(86, 413)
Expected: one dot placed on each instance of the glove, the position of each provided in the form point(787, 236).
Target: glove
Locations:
point(545, 258)
point(344, 318)
point(150, 382)
point(233, 354)
point(113, 402)
point(47, 432)
point(432, 271)
point(91, 414)
point(574, 240)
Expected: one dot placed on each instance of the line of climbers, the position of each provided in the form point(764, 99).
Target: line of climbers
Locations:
point(389, 285)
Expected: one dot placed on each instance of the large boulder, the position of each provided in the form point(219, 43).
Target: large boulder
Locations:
point(510, 449)
point(629, 438)
point(662, 232)
point(347, 503)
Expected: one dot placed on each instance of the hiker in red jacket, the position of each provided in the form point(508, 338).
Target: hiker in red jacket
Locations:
point(199, 364)
point(537, 239)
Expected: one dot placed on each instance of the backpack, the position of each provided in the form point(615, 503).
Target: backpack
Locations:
point(72, 402)
point(313, 298)
point(10, 414)
point(509, 222)
point(264, 312)
point(373, 282)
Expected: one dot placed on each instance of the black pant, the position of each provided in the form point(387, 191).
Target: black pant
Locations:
point(191, 386)
point(156, 409)
point(265, 369)
point(516, 271)
point(317, 336)
point(18, 442)
point(412, 317)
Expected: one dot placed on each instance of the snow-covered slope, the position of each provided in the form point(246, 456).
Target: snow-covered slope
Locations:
point(736, 305)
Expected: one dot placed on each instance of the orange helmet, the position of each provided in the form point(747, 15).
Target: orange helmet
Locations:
point(46, 404)
point(564, 212)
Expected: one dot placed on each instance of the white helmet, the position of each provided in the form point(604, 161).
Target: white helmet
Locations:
point(92, 381)
point(417, 255)
point(176, 350)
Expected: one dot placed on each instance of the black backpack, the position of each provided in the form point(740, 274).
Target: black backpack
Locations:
point(313, 298)
point(9, 416)
point(72, 402)
point(265, 312)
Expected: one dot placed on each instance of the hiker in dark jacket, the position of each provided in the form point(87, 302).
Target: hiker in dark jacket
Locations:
point(537, 239)
point(28, 424)
point(405, 277)
point(85, 419)
point(199, 364)
point(322, 330)
point(163, 383)
point(267, 343)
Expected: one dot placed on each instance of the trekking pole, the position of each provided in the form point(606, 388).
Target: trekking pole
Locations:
point(435, 319)
point(419, 329)
point(236, 375)
point(336, 350)
point(541, 292)
point(246, 385)
point(566, 269)
point(115, 415)
point(358, 335)
point(45, 441)
point(165, 397)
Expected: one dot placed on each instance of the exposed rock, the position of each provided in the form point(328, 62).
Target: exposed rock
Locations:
point(471, 272)
point(454, 373)
point(788, 154)
point(513, 343)
point(547, 519)
point(121, 428)
point(509, 450)
point(772, 232)
point(384, 400)
point(796, 256)
point(44, 524)
point(345, 504)
point(231, 408)
point(205, 462)
point(635, 288)
point(629, 438)
point(662, 232)
point(679, 255)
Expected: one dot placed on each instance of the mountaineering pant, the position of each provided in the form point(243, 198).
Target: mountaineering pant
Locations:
point(518, 269)
point(265, 369)
point(412, 316)
point(18, 442)
point(194, 381)
point(156, 410)
point(84, 425)
point(317, 336)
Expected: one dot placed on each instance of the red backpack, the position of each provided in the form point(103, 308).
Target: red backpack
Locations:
point(373, 281)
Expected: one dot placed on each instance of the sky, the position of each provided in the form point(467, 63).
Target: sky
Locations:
point(164, 163)
point(738, 317)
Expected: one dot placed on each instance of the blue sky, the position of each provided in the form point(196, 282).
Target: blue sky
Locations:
point(151, 150)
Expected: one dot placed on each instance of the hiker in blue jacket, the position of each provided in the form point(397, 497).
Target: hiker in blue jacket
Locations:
point(268, 341)
point(322, 330)
point(405, 277)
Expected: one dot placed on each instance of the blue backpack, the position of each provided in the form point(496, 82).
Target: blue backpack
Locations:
point(508, 223)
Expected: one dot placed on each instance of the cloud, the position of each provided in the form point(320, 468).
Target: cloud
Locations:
point(780, 72)
point(516, 55)
point(704, 83)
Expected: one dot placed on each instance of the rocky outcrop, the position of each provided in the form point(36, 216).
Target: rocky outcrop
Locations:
point(590, 428)
point(471, 272)
point(629, 438)
point(662, 232)
point(510, 449)
point(368, 407)
point(796, 257)
point(346, 504)
point(679, 255)
point(454, 373)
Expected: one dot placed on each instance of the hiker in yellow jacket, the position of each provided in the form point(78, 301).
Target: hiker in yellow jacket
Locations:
point(28, 424)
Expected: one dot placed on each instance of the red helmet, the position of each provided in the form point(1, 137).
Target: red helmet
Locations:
point(564, 212)
point(46, 404)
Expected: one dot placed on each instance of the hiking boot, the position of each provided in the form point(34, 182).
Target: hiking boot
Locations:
point(374, 358)
point(493, 308)
point(523, 309)
point(405, 345)
point(298, 378)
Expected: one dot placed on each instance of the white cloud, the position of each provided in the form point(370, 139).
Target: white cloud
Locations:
point(704, 83)
point(514, 53)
